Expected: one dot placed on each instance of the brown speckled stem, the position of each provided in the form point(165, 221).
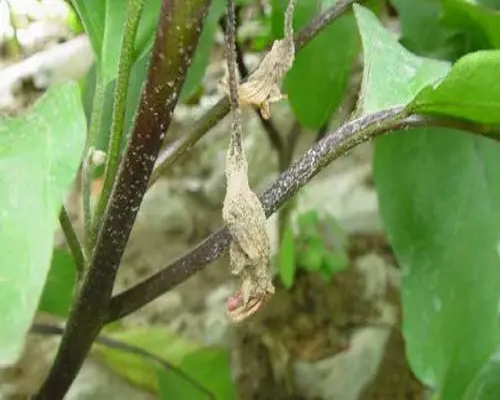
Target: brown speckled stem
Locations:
point(331, 147)
point(174, 46)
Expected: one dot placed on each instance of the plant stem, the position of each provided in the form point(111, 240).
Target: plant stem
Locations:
point(134, 11)
point(331, 147)
point(167, 72)
point(285, 160)
point(87, 168)
point(73, 243)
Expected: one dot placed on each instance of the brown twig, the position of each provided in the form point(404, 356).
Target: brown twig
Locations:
point(288, 183)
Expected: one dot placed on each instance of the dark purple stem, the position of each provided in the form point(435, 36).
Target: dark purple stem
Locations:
point(173, 50)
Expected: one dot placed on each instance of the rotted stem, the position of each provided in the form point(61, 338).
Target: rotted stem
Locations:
point(235, 145)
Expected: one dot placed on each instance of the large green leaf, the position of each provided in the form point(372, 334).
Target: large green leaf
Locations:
point(209, 367)
point(39, 156)
point(439, 195)
point(318, 79)
point(138, 370)
point(446, 29)
point(471, 90)
point(480, 24)
point(486, 385)
point(427, 183)
point(392, 75)
point(58, 291)
point(91, 13)
point(104, 22)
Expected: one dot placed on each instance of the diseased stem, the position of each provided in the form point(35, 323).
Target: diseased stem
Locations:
point(166, 76)
point(177, 149)
point(231, 66)
point(87, 168)
point(46, 329)
point(134, 11)
point(331, 147)
point(73, 243)
point(271, 130)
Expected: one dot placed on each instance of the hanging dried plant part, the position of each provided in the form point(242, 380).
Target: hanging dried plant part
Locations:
point(249, 251)
point(263, 85)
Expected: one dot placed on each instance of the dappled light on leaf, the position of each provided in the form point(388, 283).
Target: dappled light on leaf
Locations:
point(39, 156)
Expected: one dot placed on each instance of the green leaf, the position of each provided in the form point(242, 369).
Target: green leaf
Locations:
point(307, 222)
point(486, 385)
point(423, 31)
point(136, 369)
point(209, 367)
point(478, 23)
point(91, 13)
point(58, 291)
point(447, 29)
point(334, 262)
point(317, 82)
point(310, 256)
point(439, 196)
point(392, 76)
point(321, 244)
point(493, 4)
point(471, 90)
point(104, 22)
point(39, 157)
point(287, 258)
